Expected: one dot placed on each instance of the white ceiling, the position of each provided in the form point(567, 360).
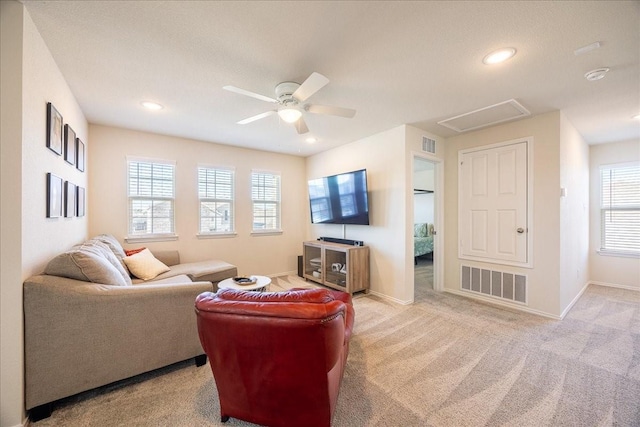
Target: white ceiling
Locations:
point(394, 62)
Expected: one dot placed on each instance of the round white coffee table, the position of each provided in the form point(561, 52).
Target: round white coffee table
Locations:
point(260, 286)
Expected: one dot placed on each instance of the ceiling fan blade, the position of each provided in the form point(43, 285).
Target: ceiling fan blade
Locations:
point(332, 111)
point(314, 83)
point(256, 117)
point(301, 126)
point(247, 93)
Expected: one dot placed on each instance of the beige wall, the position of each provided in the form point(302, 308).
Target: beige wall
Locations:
point(30, 79)
point(388, 159)
point(252, 254)
point(383, 156)
point(544, 277)
point(606, 269)
point(43, 82)
point(574, 214)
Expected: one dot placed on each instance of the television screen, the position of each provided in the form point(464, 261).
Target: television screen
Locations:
point(340, 199)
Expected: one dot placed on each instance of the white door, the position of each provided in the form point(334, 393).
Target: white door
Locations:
point(493, 203)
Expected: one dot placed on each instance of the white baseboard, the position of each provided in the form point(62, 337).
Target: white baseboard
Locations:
point(503, 303)
point(286, 273)
point(615, 285)
point(388, 298)
point(575, 300)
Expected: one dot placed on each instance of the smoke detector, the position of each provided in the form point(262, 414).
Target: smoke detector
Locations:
point(596, 74)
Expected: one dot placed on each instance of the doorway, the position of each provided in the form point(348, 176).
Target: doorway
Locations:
point(424, 226)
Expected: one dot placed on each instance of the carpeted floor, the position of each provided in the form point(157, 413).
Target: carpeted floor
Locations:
point(423, 277)
point(442, 361)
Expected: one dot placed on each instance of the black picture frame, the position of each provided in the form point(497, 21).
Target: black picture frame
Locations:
point(54, 129)
point(69, 199)
point(69, 145)
point(80, 201)
point(54, 196)
point(79, 155)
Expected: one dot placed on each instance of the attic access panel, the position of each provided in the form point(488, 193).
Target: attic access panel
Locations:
point(487, 116)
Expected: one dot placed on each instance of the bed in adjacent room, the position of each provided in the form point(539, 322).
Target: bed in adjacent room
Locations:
point(422, 239)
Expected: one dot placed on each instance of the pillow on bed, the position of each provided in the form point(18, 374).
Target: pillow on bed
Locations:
point(420, 230)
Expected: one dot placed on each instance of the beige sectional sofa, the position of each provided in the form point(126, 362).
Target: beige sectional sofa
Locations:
point(82, 333)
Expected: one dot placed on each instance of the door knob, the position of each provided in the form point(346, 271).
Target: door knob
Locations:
point(520, 230)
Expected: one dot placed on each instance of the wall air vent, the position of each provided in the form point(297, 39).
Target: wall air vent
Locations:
point(496, 284)
point(487, 116)
point(428, 145)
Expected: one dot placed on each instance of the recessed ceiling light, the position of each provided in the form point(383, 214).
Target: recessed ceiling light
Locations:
point(499, 55)
point(311, 140)
point(596, 74)
point(151, 105)
point(636, 117)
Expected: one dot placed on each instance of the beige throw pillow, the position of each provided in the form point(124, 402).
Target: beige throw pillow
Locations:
point(144, 265)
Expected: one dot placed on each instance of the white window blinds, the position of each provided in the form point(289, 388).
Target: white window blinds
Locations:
point(151, 197)
point(620, 208)
point(265, 195)
point(216, 194)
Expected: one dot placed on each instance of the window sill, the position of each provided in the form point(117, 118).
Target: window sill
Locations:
point(151, 238)
point(619, 254)
point(266, 232)
point(224, 235)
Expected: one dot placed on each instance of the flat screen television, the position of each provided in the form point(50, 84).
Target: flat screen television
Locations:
point(340, 199)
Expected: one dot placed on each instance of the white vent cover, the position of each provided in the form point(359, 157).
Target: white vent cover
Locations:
point(428, 145)
point(493, 283)
point(487, 116)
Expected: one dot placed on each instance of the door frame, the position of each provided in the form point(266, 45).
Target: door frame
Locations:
point(438, 218)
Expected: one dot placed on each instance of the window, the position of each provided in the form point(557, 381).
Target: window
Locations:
point(265, 194)
point(151, 197)
point(620, 208)
point(347, 191)
point(216, 194)
point(319, 200)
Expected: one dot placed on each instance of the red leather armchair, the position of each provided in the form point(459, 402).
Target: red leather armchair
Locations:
point(277, 357)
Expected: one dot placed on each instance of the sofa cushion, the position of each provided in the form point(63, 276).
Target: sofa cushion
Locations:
point(210, 271)
point(114, 245)
point(129, 252)
point(174, 280)
point(144, 265)
point(86, 263)
point(108, 254)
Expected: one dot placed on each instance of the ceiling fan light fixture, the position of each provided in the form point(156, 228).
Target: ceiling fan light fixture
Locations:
point(289, 115)
point(499, 55)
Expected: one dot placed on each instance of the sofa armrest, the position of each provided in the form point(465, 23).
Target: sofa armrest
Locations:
point(101, 333)
point(168, 258)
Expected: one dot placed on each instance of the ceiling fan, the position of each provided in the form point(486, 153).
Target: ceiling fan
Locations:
point(290, 97)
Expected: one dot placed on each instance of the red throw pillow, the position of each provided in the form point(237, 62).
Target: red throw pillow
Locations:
point(130, 252)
